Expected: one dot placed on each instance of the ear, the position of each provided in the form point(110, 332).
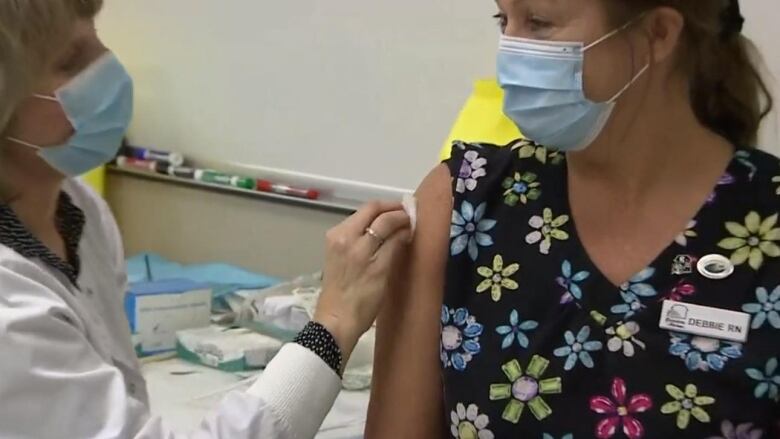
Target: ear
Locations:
point(664, 27)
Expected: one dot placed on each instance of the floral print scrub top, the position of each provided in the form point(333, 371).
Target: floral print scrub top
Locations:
point(537, 343)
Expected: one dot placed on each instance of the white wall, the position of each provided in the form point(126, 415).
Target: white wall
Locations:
point(356, 89)
point(763, 27)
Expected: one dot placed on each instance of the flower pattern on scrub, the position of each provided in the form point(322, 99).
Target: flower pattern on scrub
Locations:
point(459, 338)
point(686, 404)
point(525, 388)
point(468, 423)
point(754, 241)
point(768, 380)
point(570, 281)
point(632, 293)
point(516, 331)
point(538, 342)
point(741, 431)
point(498, 278)
point(578, 349)
point(548, 228)
point(471, 171)
point(702, 353)
point(621, 411)
point(469, 230)
point(766, 308)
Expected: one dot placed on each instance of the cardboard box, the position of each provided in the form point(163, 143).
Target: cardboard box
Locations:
point(231, 350)
point(156, 310)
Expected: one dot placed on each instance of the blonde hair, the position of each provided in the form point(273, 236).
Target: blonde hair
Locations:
point(31, 34)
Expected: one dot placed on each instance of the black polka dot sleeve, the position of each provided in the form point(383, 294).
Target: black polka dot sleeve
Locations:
point(319, 340)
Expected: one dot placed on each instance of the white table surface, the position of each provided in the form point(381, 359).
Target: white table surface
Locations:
point(183, 393)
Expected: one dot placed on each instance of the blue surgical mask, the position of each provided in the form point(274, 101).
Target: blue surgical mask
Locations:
point(99, 104)
point(544, 91)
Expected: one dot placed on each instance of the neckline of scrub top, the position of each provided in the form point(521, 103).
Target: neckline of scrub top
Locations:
point(70, 223)
point(598, 281)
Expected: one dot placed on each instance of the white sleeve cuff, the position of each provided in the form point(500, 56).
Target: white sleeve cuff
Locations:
point(300, 388)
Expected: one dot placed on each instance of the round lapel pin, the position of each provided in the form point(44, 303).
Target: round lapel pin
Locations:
point(715, 267)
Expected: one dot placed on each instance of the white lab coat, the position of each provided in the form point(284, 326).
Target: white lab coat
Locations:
point(68, 369)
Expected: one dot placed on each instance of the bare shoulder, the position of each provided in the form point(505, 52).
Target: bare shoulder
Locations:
point(434, 205)
point(437, 186)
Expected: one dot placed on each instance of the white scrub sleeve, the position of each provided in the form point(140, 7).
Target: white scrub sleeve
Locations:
point(53, 384)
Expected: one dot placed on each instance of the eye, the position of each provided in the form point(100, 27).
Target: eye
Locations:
point(68, 63)
point(502, 21)
point(73, 60)
point(536, 23)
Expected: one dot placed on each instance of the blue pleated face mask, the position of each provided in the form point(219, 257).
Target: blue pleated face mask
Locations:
point(545, 95)
point(99, 104)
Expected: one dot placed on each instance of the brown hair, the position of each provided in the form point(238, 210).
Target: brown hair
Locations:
point(728, 94)
point(31, 33)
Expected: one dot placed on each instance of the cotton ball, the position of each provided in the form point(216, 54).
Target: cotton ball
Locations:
point(409, 203)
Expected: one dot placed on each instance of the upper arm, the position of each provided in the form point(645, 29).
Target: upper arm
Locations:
point(406, 399)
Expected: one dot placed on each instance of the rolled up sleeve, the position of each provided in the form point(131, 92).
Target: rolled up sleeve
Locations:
point(300, 388)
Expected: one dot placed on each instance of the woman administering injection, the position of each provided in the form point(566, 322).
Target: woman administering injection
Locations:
point(65, 103)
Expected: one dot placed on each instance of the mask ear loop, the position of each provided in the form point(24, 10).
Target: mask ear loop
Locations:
point(607, 36)
point(46, 98)
point(23, 143)
point(28, 144)
point(614, 32)
point(610, 35)
point(630, 83)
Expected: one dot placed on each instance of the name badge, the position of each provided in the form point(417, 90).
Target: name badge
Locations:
point(705, 321)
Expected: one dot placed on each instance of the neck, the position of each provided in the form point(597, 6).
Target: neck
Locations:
point(658, 142)
point(31, 188)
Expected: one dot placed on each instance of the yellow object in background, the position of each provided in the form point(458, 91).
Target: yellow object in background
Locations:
point(96, 179)
point(482, 119)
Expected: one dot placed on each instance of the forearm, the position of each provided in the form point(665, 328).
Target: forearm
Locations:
point(299, 388)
